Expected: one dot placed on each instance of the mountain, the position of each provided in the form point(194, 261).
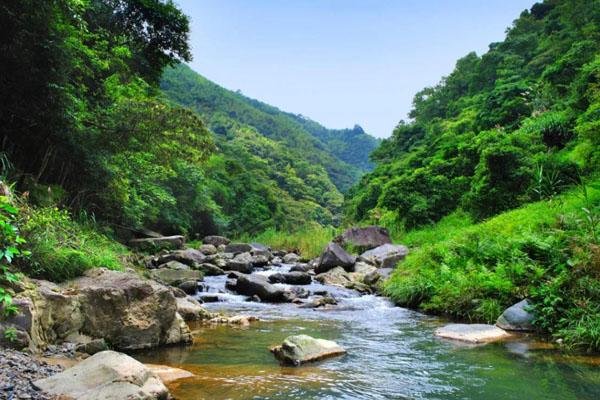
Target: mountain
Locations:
point(343, 153)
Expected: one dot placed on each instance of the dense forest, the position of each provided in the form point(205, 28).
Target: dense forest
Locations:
point(515, 128)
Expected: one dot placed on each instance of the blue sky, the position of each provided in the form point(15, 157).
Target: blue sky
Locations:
point(341, 62)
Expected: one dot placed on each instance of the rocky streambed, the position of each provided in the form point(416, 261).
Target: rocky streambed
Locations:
point(217, 310)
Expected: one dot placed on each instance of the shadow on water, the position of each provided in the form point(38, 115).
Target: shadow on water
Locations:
point(392, 354)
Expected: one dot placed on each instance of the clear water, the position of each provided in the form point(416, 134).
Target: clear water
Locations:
point(392, 354)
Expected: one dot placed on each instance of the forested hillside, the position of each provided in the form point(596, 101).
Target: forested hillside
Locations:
point(344, 154)
point(517, 124)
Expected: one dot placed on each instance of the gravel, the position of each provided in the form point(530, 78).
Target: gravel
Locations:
point(17, 372)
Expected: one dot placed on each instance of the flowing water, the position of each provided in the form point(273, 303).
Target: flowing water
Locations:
point(392, 354)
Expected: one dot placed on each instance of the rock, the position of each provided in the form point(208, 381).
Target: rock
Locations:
point(365, 238)
point(190, 257)
point(323, 301)
point(92, 347)
point(211, 270)
point(174, 265)
point(300, 292)
point(241, 320)
point(276, 260)
point(385, 256)
point(17, 372)
point(517, 317)
point(209, 298)
point(259, 249)
point(15, 328)
point(191, 310)
point(174, 277)
point(127, 311)
point(336, 276)
point(242, 262)
point(154, 244)
point(472, 333)
point(291, 258)
point(302, 268)
point(250, 285)
point(260, 260)
point(216, 240)
point(105, 375)
point(189, 287)
point(208, 249)
point(221, 248)
point(237, 248)
point(372, 278)
point(291, 278)
point(334, 256)
point(300, 349)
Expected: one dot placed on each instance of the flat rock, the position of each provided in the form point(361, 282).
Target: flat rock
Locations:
point(107, 375)
point(365, 238)
point(517, 318)
point(472, 333)
point(168, 374)
point(385, 256)
point(300, 349)
point(334, 256)
point(209, 269)
point(175, 277)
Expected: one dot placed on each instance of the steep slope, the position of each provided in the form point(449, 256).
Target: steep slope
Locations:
point(518, 124)
point(343, 154)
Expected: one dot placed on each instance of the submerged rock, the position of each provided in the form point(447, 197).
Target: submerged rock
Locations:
point(105, 375)
point(365, 238)
point(300, 349)
point(517, 317)
point(472, 333)
point(385, 256)
point(334, 256)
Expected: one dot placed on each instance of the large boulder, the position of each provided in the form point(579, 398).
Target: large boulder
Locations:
point(472, 333)
point(251, 285)
point(365, 238)
point(175, 277)
point(517, 317)
point(291, 278)
point(334, 256)
point(158, 243)
point(107, 375)
point(385, 256)
point(127, 311)
point(215, 240)
point(243, 262)
point(300, 349)
point(189, 257)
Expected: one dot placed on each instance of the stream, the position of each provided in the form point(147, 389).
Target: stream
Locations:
point(392, 354)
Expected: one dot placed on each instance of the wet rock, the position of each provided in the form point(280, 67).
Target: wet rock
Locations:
point(216, 240)
point(163, 242)
point(209, 298)
point(302, 268)
point(385, 256)
point(291, 278)
point(472, 333)
point(300, 349)
point(175, 277)
point(276, 260)
point(334, 256)
point(250, 285)
point(517, 317)
point(208, 249)
point(211, 270)
point(365, 238)
point(105, 375)
point(191, 310)
point(319, 302)
point(291, 258)
point(336, 277)
point(189, 287)
point(237, 248)
point(168, 374)
point(260, 260)
point(242, 262)
point(372, 278)
point(300, 292)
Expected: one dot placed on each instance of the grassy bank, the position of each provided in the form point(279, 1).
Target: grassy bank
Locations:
point(308, 241)
point(547, 251)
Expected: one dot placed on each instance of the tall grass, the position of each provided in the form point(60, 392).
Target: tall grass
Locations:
point(308, 241)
